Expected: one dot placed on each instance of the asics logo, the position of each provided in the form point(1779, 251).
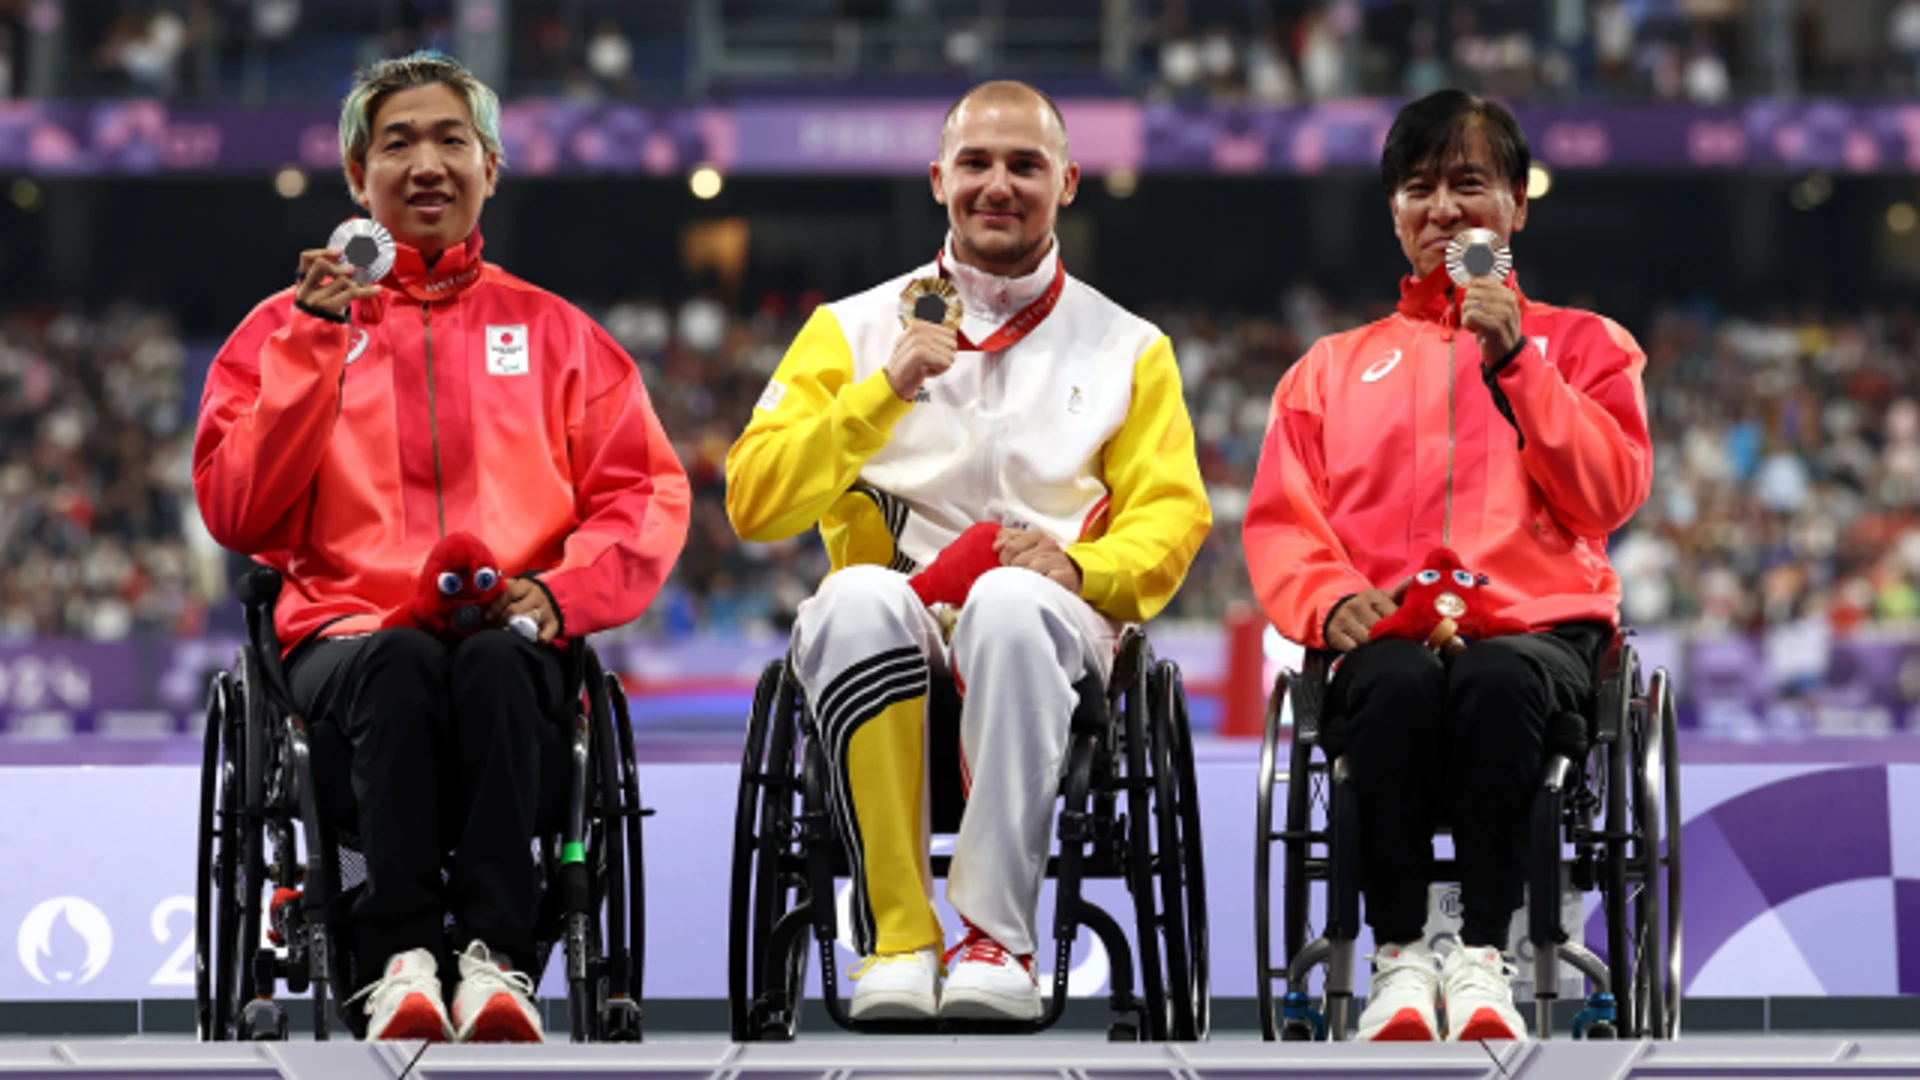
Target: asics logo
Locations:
point(1381, 366)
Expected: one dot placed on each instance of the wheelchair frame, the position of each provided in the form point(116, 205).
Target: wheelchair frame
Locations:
point(257, 793)
point(1609, 805)
point(786, 860)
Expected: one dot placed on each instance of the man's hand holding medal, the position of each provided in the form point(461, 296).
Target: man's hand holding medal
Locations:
point(930, 312)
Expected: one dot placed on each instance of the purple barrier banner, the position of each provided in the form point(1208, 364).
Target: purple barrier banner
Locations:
point(849, 138)
point(1802, 879)
point(1794, 682)
point(1831, 135)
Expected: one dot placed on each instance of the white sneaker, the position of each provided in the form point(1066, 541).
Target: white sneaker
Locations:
point(1478, 985)
point(405, 1002)
point(897, 986)
point(986, 982)
point(494, 1004)
point(1400, 1005)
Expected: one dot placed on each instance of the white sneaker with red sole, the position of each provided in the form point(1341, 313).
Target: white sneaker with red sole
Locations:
point(1477, 983)
point(986, 982)
point(494, 1003)
point(1400, 1003)
point(405, 1002)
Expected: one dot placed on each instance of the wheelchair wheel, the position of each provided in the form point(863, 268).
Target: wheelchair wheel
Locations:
point(622, 1022)
point(1616, 879)
point(1263, 839)
point(1670, 729)
point(216, 970)
point(1180, 859)
point(763, 835)
point(1140, 781)
point(1655, 868)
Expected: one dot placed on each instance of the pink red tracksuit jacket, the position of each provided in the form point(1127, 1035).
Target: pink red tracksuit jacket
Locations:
point(462, 398)
point(1386, 442)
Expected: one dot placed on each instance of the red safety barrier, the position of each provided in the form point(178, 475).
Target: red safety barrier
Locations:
point(1245, 683)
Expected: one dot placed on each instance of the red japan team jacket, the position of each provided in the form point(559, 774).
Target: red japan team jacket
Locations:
point(462, 398)
point(1387, 441)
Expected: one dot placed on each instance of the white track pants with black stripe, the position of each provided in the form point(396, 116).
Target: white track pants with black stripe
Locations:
point(863, 648)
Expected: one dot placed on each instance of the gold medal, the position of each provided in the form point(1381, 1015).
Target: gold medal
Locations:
point(931, 299)
point(1449, 605)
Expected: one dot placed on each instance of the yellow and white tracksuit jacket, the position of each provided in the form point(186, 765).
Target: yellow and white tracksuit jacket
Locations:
point(1079, 430)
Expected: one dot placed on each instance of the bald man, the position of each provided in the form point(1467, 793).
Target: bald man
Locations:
point(1041, 411)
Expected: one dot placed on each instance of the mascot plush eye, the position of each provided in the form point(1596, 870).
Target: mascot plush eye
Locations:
point(1427, 577)
point(1463, 579)
point(485, 578)
point(449, 583)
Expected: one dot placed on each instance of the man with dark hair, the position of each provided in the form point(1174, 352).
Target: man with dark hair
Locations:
point(1521, 447)
point(347, 428)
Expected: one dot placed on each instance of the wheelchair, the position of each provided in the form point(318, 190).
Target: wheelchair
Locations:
point(1131, 811)
point(264, 833)
point(1606, 817)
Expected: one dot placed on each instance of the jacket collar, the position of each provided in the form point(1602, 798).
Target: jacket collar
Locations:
point(993, 298)
point(457, 269)
point(1431, 298)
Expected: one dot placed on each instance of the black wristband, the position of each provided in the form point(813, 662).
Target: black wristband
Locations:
point(1512, 354)
point(341, 318)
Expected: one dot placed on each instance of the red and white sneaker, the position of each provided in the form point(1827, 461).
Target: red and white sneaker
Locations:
point(1478, 984)
point(986, 982)
point(405, 1002)
point(494, 1004)
point(1400, 1003)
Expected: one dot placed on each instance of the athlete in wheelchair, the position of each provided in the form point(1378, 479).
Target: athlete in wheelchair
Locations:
point(347, 429)
point(986, 436)
point(1512, 434)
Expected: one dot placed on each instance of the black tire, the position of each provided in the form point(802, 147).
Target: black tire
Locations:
point(776, 887)
point(212, 996)
point(1263, 842)
point(1613, 881)
point(1140, 865)
point(1674, 988)
point(1181, 860)
point(255, 753)
point(1303, 774)
point(743, 937)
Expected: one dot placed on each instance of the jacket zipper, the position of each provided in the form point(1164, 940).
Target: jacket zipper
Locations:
point(433, 420)
point(1446, 523)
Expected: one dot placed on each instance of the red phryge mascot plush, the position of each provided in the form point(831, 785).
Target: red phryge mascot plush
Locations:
point(950, 577)
point(461, 578)
point(1445, 608)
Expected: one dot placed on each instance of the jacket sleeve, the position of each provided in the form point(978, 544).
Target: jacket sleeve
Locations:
point(809, 436)
point(1158, 512)
point(631, 497)
point(266, 418)
point(1583, 427)
point(1300, 569)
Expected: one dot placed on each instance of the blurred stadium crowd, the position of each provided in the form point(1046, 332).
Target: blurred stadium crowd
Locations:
point(1787, 484)
point(1271, 52)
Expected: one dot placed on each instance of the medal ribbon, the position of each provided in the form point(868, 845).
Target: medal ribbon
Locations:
point(1023, 321)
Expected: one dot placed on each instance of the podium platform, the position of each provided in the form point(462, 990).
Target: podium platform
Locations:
point(1001, 1058)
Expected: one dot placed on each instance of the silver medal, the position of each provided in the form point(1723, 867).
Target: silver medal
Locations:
point(1476, 253)
point(365, 245)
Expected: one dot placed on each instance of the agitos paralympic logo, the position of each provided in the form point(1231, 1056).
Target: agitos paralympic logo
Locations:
point(49, 934)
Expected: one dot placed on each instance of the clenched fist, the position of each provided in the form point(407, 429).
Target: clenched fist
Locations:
point(924, 350)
